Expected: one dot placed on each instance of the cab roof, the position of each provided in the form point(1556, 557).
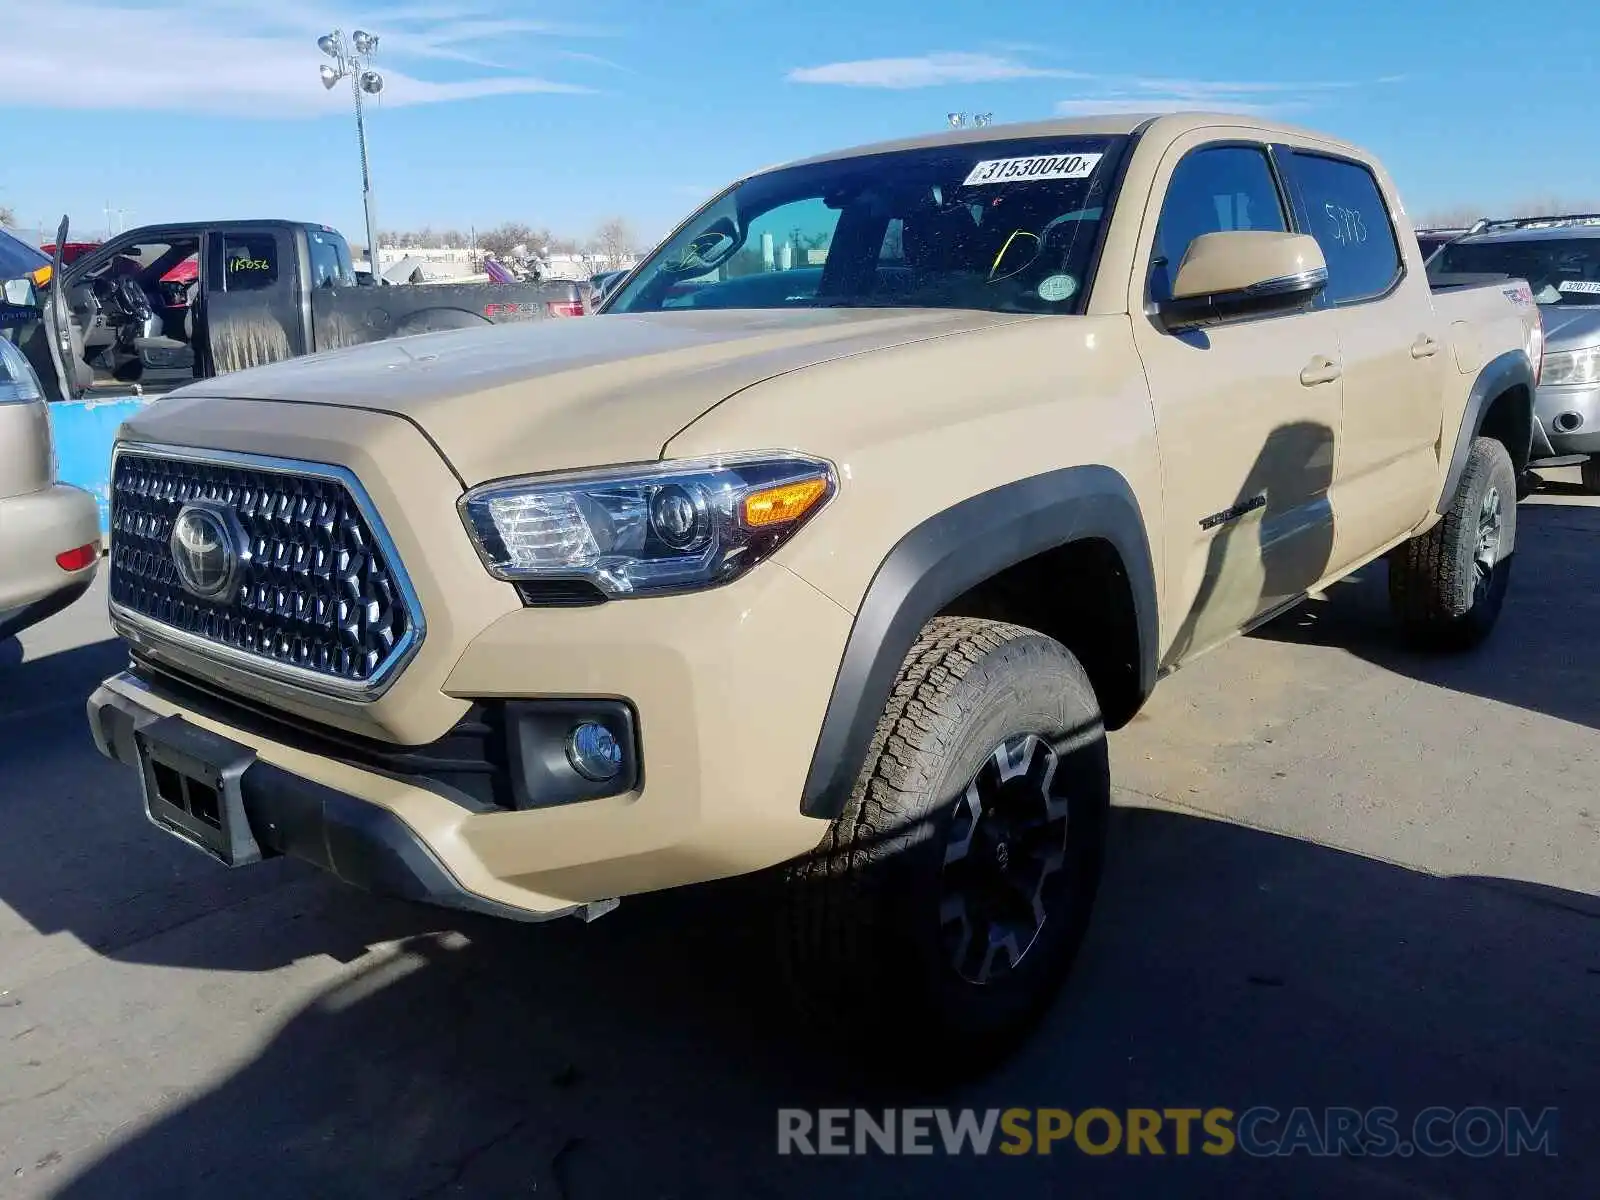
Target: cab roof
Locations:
point(1165, 125)
point(199, 227)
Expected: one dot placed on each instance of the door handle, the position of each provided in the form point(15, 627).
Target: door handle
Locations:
point(1424, 347)
point(1320, 370)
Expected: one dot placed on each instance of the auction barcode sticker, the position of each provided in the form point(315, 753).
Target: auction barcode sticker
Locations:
point(1039, 166)
point(1588, 287)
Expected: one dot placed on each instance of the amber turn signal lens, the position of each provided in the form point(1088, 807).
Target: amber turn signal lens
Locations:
point(786, 502)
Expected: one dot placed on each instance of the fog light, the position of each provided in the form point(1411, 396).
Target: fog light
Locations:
point(594, 752)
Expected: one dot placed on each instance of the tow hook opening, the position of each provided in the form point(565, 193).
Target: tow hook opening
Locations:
point(198, 799)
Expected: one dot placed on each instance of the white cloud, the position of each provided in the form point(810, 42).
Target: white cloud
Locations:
point(1087, 106)
point(1103, 93)
point(247, 58)
point(1154, 95)
point(928, 70)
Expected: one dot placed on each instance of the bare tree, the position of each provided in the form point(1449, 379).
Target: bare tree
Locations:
point(614, 241)
point(500, 241)
point(1553, 206)
point(8, 217)
point(1457, 216)
point(503, 240)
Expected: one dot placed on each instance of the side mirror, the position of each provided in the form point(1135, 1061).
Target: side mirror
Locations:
point(1244, 273)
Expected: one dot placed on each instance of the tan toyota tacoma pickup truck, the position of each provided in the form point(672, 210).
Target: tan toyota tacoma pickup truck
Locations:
point(835, 542)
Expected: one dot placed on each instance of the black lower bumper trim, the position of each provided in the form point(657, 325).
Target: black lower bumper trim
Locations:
point(362, 844)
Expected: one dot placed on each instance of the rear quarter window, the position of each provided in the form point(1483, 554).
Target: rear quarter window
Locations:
point(1347, 215)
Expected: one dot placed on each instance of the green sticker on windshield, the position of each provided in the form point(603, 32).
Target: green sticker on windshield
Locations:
point(1056, 288)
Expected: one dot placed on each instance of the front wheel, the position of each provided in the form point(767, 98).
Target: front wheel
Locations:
point(948, 900)
point(1447, 586)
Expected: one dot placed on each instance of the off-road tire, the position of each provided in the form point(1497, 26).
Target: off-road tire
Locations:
point(863, 940)
point(1589, 473)
point(1436, 590)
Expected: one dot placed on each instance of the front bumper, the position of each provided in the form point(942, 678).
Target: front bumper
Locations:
point(1566, 420)
point(34, 528)
point(729, 687)
point(359, 842)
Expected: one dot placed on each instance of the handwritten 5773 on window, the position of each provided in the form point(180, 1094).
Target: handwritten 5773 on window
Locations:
point(1348, 227)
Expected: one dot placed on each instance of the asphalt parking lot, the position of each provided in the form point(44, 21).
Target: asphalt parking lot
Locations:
point(1343, 875)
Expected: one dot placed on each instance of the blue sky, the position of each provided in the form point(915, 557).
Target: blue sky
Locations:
point(564, 114)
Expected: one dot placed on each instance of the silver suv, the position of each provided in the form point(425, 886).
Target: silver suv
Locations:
point(1560, 258)
point(49, 531)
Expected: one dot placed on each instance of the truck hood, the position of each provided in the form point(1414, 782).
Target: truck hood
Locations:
point(1571, 328)
point(574, 392)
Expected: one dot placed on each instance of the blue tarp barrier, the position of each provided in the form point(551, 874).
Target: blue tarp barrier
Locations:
point(84, 431)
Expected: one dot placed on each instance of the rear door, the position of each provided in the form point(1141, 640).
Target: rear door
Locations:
point(340, 315)
point(1247, 411)
point(253, 311)
point(1395, 351)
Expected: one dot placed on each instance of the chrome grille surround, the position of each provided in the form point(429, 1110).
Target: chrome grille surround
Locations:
point(325, 604)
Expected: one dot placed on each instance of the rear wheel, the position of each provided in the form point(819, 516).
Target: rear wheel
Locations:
point(1447, 586)
point(949, 898)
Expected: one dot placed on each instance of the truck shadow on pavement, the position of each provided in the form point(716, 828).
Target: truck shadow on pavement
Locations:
point(1541, 656)
point(648, 1054)
point(82, 858)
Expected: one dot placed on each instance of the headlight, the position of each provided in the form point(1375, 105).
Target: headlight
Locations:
point(1572, 366)
point(659, 527)
point(18, 383)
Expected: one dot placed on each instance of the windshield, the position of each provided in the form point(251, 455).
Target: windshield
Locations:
point(1007, 226)
point(1432, 241)
point(1560, 270)
point(18, 260)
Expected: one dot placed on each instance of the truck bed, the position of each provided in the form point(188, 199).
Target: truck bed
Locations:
point(1456, 281)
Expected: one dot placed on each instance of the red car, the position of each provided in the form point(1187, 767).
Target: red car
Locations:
point(71, 251)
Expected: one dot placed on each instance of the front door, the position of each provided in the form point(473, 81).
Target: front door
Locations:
point(252, 312)
point(1247, 412)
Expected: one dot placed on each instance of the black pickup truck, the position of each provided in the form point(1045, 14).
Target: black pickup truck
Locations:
point(160, 306)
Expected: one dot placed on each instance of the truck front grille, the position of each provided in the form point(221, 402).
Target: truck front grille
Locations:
point(320, 596)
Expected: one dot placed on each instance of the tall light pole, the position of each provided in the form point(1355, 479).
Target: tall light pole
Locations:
point(354, 59)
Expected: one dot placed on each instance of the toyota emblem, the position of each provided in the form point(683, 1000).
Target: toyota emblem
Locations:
point(206, 552)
